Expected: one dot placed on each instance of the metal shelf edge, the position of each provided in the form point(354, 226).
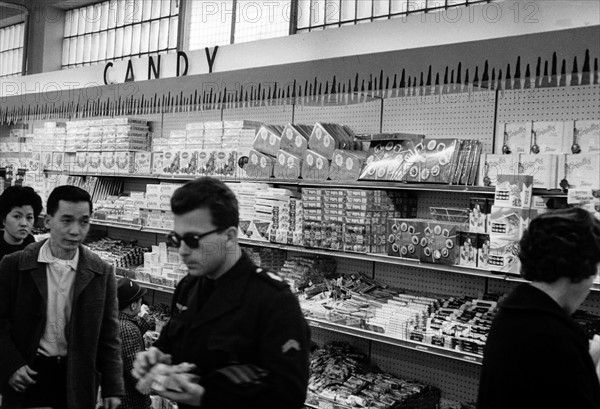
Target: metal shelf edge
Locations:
point(403, 343)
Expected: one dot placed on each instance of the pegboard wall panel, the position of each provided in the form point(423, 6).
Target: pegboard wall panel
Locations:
point(354, 266)
point(429, 281)
point(176, 121)
point(158, 297)
point(137, 184)
point(591, 303)
point(441, 199)
point(465, 115)
point(273, 115)
point(457, 380)
point(142, 238)
point(501, 286)
point(344, 265)
point(549, 104)
point(361, 118)
point(320, 336)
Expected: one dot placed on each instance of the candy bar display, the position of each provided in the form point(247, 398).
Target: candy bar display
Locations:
point(457, 323)
point(340, 376)
point(352, 219)
point(163, 266)
point(118, 252)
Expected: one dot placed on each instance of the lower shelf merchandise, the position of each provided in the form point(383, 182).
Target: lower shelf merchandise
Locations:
point(341, 377)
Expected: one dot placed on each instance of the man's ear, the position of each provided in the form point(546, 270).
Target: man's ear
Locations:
point(232, 233)
point(47, 221)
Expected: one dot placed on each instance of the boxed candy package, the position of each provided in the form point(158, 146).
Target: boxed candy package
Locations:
point(268, 139)
point(513, 191)
point(493, 165)
point(326, 138)
point(315, 166)
point(346, 164)
point(287, 166)
point(439, 157)
point(551, 137)
point(587, 136)
point(583, 170)
point(513, 138)
point(294, 139)
point(393, 160)
point(404, 236)
point(439, 242)
point(542, 167)
point(259, 166)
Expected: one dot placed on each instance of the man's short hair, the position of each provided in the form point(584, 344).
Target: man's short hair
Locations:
point(17, 196)
point(68, 193)
point(207, 193)
point(561, 243)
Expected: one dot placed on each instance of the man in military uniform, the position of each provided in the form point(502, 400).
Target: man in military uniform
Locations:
point(238, 324)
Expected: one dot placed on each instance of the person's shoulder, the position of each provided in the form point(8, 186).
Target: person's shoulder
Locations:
point(93, 260)
point(268, 279)
point(127, 327)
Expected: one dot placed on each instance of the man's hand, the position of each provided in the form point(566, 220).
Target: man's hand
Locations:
point(111, 403)
point(144, 361)
point(22, 378)
point(595, 349)
point(191, 393)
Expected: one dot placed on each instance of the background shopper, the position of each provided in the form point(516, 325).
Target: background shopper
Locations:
point(240, 325)
point(19, 209)
point(59, 332)
point(536, 355)
point(132, 326)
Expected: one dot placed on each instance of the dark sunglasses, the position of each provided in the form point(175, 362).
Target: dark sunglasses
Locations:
point(192, 240)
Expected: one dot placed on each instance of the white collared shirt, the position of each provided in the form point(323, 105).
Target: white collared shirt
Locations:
point(61, 276)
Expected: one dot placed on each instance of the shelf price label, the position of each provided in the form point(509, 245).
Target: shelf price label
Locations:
point(470, 358)
point(421, 348)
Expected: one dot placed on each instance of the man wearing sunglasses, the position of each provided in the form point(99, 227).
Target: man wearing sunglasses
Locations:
point(238, 324)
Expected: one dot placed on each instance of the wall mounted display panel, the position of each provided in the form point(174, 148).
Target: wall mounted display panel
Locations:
point(458, 380)
point(361, 118)
point(420, 279)
point(464, 115)
point(442, 199)
point(321, 336)
point(269, 114)
point(549, 104)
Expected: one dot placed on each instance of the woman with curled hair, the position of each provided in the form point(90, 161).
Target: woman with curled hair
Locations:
point(19, 208)
point(536, 355)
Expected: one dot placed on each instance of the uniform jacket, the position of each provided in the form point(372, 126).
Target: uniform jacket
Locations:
point(93, 333)
point(251, 323)
point(536, 356)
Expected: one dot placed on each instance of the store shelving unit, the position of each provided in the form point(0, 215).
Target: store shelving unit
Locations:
point(470, 114)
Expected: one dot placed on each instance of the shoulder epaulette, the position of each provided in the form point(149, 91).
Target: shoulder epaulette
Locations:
point(272, 278)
